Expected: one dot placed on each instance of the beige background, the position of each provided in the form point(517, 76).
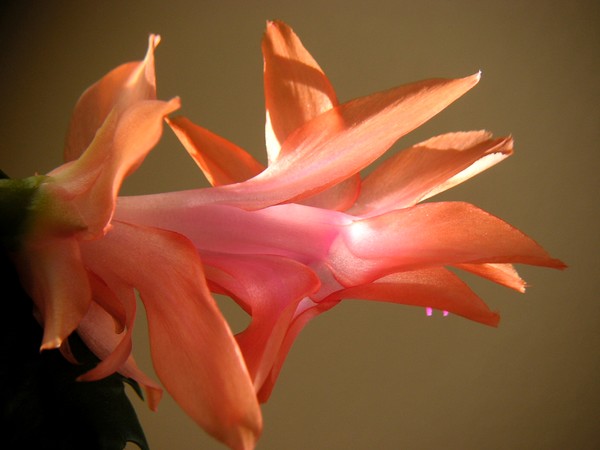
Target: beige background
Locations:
point(373, 375)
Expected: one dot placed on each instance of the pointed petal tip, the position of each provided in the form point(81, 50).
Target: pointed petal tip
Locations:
point(153, 40)
point(51, 344)
point(245, 439)
point(494, 320)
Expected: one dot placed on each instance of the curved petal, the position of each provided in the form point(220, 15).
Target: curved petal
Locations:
point(434, 287)
point(333, 146)
point(296, 89)
point(306, 311)
point(118, 149)
point(429, 234)
point(504, 274)
point(113, 350)
point(120, 88)
point(270, 288)
point(108, 301)
point(428, 168)
point(221, 161)
point(192, 348)
point(54, 276)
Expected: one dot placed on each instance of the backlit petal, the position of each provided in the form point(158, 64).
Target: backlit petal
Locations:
point(120, 88)
point(118, 149)
point(269, 287)
point(307, 311)
point(333, 146)
point(504, 274)
point(222, 161)
point(193, 351)
point(428, 168)
point(430, 234)
point(434, 287)
point(296, 89)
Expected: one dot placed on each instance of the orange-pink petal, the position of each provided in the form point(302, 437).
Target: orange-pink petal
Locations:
point(193, 351)
point(120, 88)
point(434, 287)
point(504, 274)
point(119, 147)
point(296, 89)
point(269, 287)
point(421, 171)
point(221, 161)
point(53, 275)
point(430, 234)
point(333, 146)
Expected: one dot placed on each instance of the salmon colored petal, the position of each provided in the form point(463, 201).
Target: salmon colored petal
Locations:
point(100, 338)
point(153, 391)
point(429, 234)
point(107, 300)
point(296, 89)
point(306, 311)
point(504, 274)
point(192, 348)
point(53, 274)
point(96, 331)
point(94, 327)
point(338, 197)
point(118, 149)
point(332, 147)
point(221, 161)
point(428, 168)
point(270, 288)
point(120, 88)
point(434, 287)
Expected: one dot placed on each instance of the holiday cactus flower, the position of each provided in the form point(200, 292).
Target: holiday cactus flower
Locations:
point(291, 240)
point(82, 267)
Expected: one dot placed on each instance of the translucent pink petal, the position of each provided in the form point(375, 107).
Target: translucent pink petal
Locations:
point(430, 234)
point(53, 275)
point(428, 168)
point(270, 288)
point(192, 348)
point(333, 146)
point(290, 230)
point(434, 287)
point(296, 89)
point(221, 161)
point(120, 88)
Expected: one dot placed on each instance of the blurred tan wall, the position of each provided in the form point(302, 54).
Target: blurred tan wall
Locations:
point(369, 375)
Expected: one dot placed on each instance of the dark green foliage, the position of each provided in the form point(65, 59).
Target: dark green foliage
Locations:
point(41, 404)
